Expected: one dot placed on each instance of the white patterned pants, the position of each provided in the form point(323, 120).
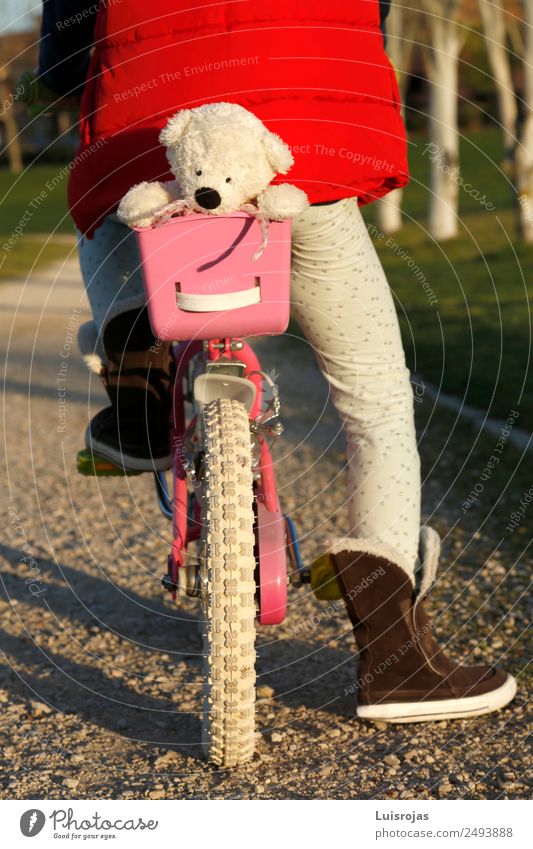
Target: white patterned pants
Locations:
point(344, 306)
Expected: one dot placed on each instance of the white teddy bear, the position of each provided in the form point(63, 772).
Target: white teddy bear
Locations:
point(223, 158)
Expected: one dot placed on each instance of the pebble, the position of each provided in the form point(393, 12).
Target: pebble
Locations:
point(336, 732)
point(265, 691)
point(168, 760)
point(72, 783)
point(510, 786)
point(445, 788)
point(276, 737)
point(40, 709)
point(392, 760)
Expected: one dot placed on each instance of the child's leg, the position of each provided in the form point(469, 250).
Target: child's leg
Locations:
point(345, 308)
point(136, 368)
point(343, 303)
point(111, 272)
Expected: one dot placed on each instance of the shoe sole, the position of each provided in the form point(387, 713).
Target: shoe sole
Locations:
point(136, 464)
point(441, 708)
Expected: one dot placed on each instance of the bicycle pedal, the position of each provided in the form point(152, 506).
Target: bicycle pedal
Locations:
point(324, 581)
point(93, 465)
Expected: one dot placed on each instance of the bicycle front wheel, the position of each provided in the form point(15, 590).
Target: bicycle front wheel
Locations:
point(228, 585)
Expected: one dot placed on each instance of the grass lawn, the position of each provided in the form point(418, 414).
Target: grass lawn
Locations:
point(475, 340)
point(30, 253)
point(28, 206)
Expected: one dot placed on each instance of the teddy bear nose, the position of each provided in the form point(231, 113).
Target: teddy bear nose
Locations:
point(208, 198)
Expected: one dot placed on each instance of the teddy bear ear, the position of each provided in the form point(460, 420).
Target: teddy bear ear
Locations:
point(175, 127)
point(278, 153)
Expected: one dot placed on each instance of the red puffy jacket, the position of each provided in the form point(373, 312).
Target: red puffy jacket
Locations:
point(315, 71)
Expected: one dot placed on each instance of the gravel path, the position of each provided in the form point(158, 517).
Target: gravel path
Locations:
point(100, 681)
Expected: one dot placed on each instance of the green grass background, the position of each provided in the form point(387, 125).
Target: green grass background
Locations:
point(49, 218)
point(474, 342)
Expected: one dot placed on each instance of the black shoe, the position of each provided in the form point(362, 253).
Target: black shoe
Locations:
point(134, 431)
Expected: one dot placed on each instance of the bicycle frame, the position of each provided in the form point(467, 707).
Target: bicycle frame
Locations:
point(270, 524)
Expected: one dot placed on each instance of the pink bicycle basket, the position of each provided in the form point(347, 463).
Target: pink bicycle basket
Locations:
point(201, 281)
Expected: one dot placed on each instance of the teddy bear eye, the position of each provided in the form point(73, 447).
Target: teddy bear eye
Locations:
point(199, 172)
point(228, 179)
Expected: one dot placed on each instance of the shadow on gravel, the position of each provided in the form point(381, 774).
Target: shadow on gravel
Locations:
point(41, 381)
point(39, 390)
point(88, 690)
point(291, 665)
point(97, 600)
point(89, 694)
point(312, 676)
point(303, 674)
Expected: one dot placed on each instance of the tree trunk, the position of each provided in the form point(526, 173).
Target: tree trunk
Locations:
point(495, 31)
point(401, 29)
point(13, 146)
point(524, 151)
point(389, 212)
point(443, 131)
point(64, 123)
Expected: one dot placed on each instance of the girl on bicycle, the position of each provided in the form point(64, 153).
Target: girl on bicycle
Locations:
point(317, 74)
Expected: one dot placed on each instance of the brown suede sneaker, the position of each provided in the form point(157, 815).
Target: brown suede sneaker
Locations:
point(404, 675)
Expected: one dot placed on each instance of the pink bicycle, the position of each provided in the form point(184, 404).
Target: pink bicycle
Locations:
point(202, 285)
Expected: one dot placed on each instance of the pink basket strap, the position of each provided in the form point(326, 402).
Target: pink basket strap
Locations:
point(264, 223)
point(183, 206)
